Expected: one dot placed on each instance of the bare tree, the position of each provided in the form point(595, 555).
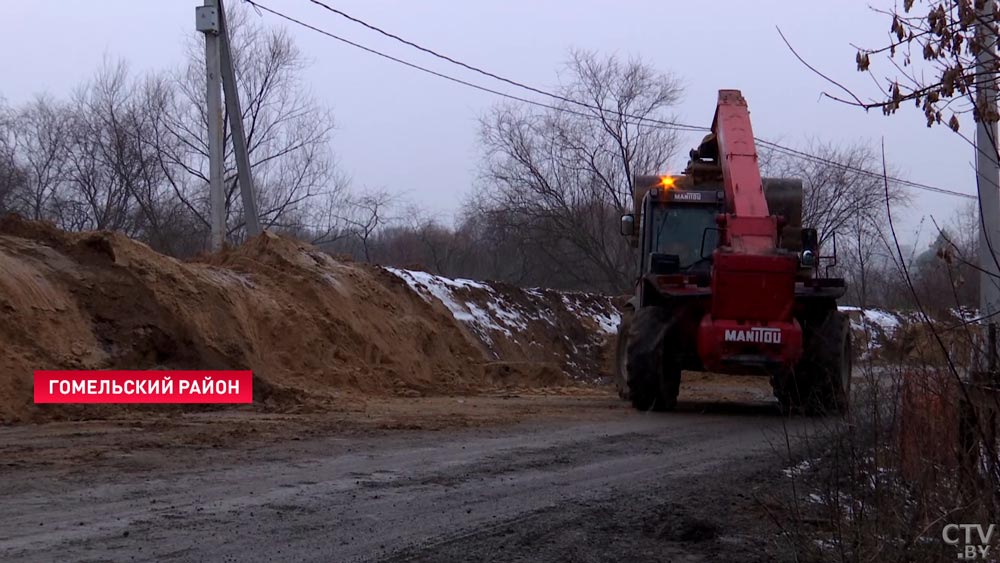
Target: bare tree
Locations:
point(947, 272)
point(369, 213)
point(563, 177)
point(12, 177)
point(323, 222)
point(96, 195)
point(441, 247)
point(844, 198)
point(840, 187)
point(114, 161)
point(288, 132)
point(37, 137)
point(130, 153)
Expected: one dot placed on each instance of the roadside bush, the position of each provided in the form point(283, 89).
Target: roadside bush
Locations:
point(917, 452)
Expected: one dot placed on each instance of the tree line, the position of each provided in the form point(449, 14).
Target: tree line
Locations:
point(129, 152)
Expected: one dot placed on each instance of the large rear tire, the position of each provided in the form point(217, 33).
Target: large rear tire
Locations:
point(621, 353)
point(821, 383)
point(652, 374)
point(832, 369)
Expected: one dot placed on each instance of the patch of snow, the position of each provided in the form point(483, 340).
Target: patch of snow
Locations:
point(826, 545)
point(426, 284)
point(607, 321)
point(879, 324)
point(498, 316)
point(493, 312)
point(432, 280)
point(228, 277)
point(796, 470)
point(508, 317)
point(966, 314)
point(482, 318)
point(885, 320)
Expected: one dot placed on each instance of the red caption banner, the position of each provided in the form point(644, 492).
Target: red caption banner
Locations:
point(153, 386)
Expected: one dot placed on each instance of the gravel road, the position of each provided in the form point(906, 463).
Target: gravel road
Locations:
point(605, 484)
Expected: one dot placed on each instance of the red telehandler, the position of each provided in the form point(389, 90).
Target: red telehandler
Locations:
point(729, 281)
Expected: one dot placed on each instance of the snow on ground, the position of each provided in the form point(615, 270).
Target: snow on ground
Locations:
point(444, 289)
point(966, 314)
point(607, 320)
point(466, 300)
point(227, 277)
point(488, 311)
point(879, 325)
point(886, 321)
point(796, 470)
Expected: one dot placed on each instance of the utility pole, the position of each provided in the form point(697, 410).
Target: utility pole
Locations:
point(207, 21)
point(236, 127)
point(988, 177)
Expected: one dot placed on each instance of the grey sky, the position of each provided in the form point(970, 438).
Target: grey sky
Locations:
point(417, 135)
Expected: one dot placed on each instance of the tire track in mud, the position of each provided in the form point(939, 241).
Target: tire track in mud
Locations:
point(402, 496)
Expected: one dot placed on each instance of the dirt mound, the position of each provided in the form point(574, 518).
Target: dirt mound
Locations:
point(310, 327)
point(540, 327)
point(905, 338)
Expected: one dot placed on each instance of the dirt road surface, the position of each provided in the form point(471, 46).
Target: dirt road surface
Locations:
point(571, 476)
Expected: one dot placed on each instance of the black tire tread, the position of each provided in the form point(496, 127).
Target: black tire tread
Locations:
point(817, 385)
point(653, 385)
point(620, 372)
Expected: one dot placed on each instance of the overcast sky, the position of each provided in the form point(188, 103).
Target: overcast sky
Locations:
point(417, 135)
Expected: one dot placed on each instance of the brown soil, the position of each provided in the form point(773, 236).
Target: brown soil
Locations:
point(312, 329)
point(569, 474)
point(555, 333)
point(125, 433)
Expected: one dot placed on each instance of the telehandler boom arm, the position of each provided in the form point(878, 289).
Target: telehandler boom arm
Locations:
point(749, 226)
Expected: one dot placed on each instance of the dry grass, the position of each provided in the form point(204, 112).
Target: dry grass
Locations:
point(912, 456)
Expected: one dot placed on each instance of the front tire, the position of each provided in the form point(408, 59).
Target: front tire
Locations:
point(621, 354)
point(832, 369)
point(821, 383)
point(652, 375)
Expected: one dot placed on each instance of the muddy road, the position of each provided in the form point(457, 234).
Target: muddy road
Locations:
point(535, 478)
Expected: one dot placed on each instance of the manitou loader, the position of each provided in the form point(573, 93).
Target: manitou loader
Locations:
point(729, 281)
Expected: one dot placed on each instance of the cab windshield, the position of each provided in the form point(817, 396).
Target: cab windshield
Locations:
point(679, 230)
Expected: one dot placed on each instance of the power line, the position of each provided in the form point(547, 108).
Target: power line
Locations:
point(775, 146)
point(651, 122)
point(495, 76)
point(815, 158)
point(448, 77)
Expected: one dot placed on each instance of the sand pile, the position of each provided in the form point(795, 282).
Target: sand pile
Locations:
point(531, 334)
point(310, 327)
point(904, 338)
